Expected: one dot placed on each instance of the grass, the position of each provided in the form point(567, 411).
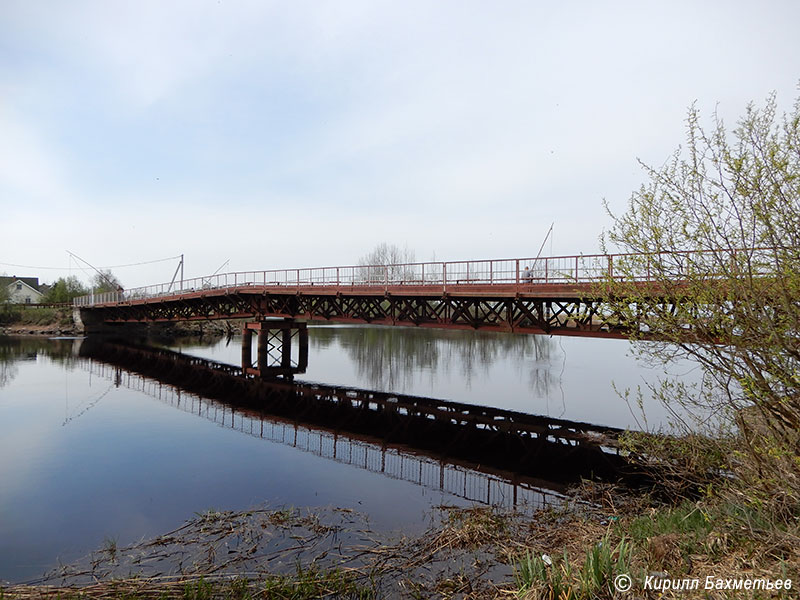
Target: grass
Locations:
point(35, 315)
point(539, 576)
point(307, 584)
point(476, 553)
point(471, 528)
point(201, 590)
point(282, 517)
point(688, 539)
point(110, 546)
point(686, 518)
point(312, 583)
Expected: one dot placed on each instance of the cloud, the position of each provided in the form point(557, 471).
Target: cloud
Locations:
point(325, 128)
point(29, 169)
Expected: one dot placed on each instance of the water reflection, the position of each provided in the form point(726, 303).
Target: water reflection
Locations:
point(23, 349)
point(391, 357)
point(507, 445)
point(8, 370)
point(89, 453)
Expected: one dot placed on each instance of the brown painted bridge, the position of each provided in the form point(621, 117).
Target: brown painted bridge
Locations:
point(552, 295)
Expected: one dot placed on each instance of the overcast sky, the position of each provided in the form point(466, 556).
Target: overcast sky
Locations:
point(284, 134)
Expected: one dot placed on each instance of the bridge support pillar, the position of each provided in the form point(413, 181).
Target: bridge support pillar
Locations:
point(275, 355)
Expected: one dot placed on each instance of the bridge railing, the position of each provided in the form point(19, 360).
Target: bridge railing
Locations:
point(522, 272)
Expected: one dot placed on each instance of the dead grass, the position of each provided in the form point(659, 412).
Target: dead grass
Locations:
point(465, 553)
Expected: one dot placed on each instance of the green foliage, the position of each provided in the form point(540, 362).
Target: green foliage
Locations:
point(240, 589)
point(540, 577)
point(105, 281)
point(684, 466)
point(198, 590)
point(64, 290)
point(35, 315)
point(110, 546)
point(686, 518)
point(714, 276)
point(535, 577)
point(671, 535)
point(603, 563)
point(315, 583)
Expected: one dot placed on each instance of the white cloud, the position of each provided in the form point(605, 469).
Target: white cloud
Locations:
point(280, 134)
point(29, 169)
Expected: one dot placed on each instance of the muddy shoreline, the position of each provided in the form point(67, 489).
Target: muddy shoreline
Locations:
point(464, 552)
point(168, 331)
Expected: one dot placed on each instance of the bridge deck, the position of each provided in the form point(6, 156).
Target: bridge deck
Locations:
point(465, 290)
point(553, 295)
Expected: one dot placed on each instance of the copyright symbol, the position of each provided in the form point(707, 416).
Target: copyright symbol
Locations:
point(623, 583)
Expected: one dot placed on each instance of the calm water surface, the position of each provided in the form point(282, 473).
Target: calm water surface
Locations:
point(89, 454)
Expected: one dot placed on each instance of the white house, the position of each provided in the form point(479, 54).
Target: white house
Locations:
point(22, 290)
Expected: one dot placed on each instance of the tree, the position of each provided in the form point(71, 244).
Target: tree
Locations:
point(105, 281)
point(716, 278)
point(65, 289)
point(387, 262)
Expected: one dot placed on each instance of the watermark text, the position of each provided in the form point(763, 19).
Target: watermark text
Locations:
point(623, 583)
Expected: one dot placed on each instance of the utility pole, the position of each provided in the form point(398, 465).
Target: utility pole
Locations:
point(180, 268)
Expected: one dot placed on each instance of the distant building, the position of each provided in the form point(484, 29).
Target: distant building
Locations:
point(22, 290)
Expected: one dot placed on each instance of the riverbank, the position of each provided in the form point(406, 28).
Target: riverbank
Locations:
point(16, 320)
point(601, 535)
point(315, 553)
point(37, 320)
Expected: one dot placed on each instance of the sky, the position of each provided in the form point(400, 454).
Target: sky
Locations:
point(301, 134)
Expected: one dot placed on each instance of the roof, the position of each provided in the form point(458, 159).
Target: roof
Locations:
point(29, 281)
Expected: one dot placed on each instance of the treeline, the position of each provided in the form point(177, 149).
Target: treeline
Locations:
point(65, 289)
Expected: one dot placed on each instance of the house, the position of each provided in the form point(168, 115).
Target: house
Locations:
point(22, 290)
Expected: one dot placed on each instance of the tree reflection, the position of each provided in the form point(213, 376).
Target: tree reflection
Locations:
point(390, 358)
point(19, 349)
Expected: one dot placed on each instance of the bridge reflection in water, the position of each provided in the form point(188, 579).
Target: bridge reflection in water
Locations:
point(477, 453)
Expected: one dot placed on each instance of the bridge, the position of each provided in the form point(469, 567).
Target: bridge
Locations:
point(543, 295)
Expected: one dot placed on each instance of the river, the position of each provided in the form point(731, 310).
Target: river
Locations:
point(94, 454)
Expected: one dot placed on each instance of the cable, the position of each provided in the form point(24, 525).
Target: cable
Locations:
point(30, 267)
point(147, 262)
